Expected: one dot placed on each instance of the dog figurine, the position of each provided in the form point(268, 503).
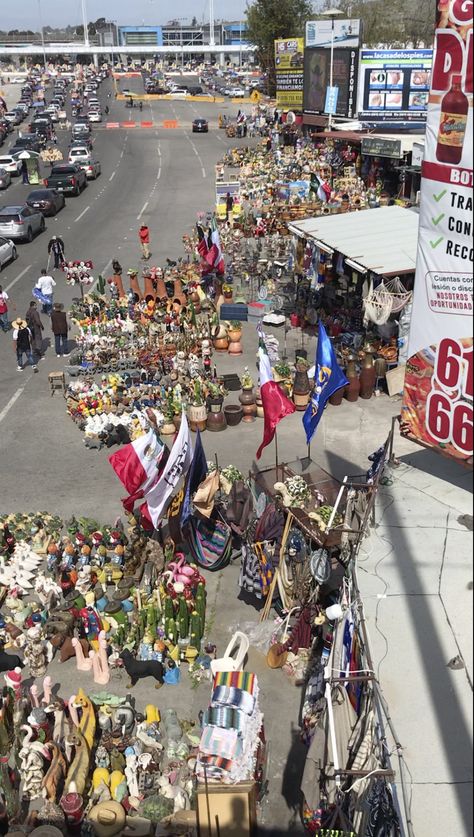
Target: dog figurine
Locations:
point(136, 669)
point(8, 662)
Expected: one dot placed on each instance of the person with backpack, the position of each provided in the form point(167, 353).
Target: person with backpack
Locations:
point(4, 323)
point(23, 343)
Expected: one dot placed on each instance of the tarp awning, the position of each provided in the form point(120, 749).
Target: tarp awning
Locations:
point(383, 240)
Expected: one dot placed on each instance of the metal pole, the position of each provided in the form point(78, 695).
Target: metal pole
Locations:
point(42, 36)
point(240, 43)
point(85, 24)
point(331, 69)
point(212, 39)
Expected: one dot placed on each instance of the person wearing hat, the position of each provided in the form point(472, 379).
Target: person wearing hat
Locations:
point(23, 343)
point(59, 327)
point(33, 321)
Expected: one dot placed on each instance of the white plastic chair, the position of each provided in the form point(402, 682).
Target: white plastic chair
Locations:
point(234, 654)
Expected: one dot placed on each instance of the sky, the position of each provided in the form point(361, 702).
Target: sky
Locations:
point(25, 15)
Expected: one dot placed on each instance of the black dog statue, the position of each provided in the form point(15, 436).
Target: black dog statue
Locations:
point(136, 669)
point(8, 662)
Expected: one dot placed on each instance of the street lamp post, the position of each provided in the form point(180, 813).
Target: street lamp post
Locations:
point(42, 35)
point(332, 14)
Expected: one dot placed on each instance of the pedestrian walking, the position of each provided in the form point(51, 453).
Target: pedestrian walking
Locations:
point(144, 236)
point(4, 322)
point(56, 249)
point(45, 286)
point(60, 328)
point(24, 172)
point(33, 321)
point(22, 343)
point(229, 206)
point(106, 109)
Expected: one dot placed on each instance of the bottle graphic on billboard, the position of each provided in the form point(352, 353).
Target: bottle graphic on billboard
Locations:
point(452, 124)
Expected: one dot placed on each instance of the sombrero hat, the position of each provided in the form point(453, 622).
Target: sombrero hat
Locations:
point(19, 323)
point(276, 656)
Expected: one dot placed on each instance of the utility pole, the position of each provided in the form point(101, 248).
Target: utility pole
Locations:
point(42, 36)
point(85, 23)
point(212, 38)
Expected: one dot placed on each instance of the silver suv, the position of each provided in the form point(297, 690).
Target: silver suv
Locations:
point(20, 222)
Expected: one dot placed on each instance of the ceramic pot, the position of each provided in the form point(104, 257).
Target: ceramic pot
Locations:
point(196, 300)
point(216, 421)
point(161, 292)
point(197, 417)
point(259, 403)
point(221, 344)
point(118, 282)
point(215, 404)
point(168, 429)
point(368, 375)
point(249, 406)
point(337, 397)
point(301, 353)
point(351, 391)
point(149, 289)
point(301, 389)
point(233, 414)
point(178, 292)
point(227, 296)
point(135, 287)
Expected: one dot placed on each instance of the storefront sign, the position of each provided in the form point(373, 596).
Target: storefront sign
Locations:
point(394, 85)
point(330, 104)
point(381, 147)
point(438, 396)
point(289, 64)
point(320, 33)
point(317, 74)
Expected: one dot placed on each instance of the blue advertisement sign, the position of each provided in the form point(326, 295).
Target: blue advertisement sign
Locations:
point(330, 105)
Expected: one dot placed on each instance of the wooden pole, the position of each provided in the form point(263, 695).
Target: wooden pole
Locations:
point(268, 604)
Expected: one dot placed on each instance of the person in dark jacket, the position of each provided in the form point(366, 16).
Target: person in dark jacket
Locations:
point(36, 327)
point(60, 329)
point(56, 248)
point(23, 343)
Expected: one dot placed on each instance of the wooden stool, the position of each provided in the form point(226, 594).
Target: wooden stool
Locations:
point(57, 380)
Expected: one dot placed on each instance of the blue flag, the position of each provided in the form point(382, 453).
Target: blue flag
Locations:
point(328, 378)
point(197, 473)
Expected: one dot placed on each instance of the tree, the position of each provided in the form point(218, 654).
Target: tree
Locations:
point(268, 20)
point(409, 23)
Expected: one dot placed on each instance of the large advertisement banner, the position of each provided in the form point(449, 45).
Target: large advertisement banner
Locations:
point(345, 33)
point(317, 73)
point(289, 63)
point(438, 396)
point(394, 84)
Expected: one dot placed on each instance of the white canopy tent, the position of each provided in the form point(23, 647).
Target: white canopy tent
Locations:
point(383, 240)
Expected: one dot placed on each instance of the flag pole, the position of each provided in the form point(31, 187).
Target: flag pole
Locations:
point(276, 454)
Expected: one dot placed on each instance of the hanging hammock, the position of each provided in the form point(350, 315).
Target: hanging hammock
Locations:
point(377, 305)
point(400, 295)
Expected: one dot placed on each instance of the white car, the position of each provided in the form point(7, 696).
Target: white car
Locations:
point(8, 252)
point(17, 80)
point(10, 165)
point(94, 116)
point(237, 93)
point(79, 155)
point(179, 94)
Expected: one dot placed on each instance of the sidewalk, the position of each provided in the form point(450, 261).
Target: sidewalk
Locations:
point(415, 575)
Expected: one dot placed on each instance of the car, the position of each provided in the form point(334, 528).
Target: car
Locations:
point(179, 94)
point(47, 201)
point(23, 107)
point(20, 222)
point(79, 154)
point(6, 125)
point(236, 93)
point(21, 113)
point(5, 179)
point(92, 169)
point(12, 116)
point(11, 164)
point(69, 178)
point(17, 80)
point(200, 126)
point(94, 116)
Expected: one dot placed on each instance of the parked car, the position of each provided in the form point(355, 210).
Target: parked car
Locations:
point(200, 126)
point(29, 141)
point(178, 94)
point(12, 116)
point(20, 222)
point(47, 201)
point(11, 164)
point(5, 179)
point(92, 169)
point(67, 178)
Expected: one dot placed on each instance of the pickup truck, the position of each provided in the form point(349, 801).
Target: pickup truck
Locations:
point(70, 179)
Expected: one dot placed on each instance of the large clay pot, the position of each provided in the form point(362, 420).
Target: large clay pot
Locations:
point(197, 417)
point(167, 429)
point(301, 389)
point(337, 397)
point(235, 346)
point(135, 287)
point(178, 291)
point(368, 375)
point(117, 279)
point(216, 420)
point(221, 344)
point(149, 289)
point(196, 301)
point(249, 406)
point(351, 391)
point(161, 292)
point(233, 414)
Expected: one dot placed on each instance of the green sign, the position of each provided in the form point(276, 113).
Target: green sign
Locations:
point(381, 147)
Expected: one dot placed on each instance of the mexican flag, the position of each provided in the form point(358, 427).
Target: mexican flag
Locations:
point(276, 405)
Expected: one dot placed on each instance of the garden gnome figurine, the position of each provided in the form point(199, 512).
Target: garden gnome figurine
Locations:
point(35, 652)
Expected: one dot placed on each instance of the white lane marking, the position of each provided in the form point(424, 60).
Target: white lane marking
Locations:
point(159, 174)
point(82, 214)
point(159, 151)
point(17, 279)
point(112, 175)
point(142, 210)
point(10, 403)
point(203, 171)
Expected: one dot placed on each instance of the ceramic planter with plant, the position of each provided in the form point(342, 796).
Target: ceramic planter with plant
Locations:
point(281, 372)
point(227, 291)
point(197, 410)
point(301, 384)
point(247, 397)
point(228, 476)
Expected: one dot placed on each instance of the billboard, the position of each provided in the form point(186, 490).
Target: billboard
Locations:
point(317, 73)
point(289, 63)
point(394, 84)
point(320, 33)
point(437, 405)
